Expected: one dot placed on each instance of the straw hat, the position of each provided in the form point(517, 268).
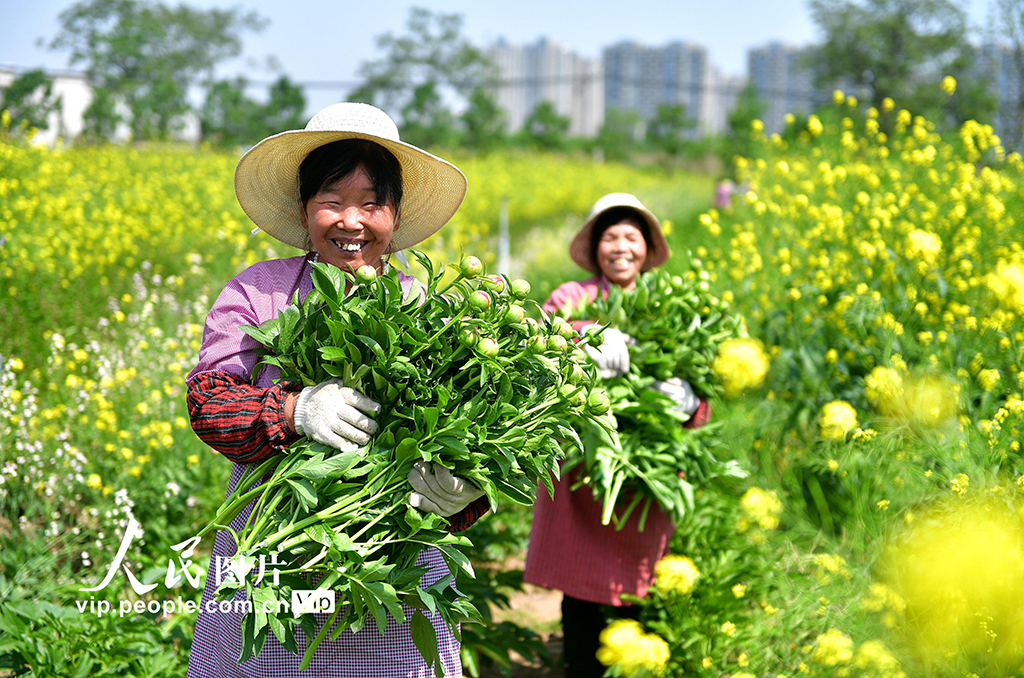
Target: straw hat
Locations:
point(267, 176)
point(580, 249)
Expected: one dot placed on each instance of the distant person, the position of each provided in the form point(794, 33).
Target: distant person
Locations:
point(570, 550)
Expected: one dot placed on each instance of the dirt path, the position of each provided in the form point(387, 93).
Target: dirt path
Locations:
point(540, 610)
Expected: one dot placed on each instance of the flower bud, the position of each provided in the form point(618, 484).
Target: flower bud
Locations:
point(515, 314)
point(495, 283)
point(598, 402)
point(471, 267)
point(366, 274)
point(520, 288)
point(557, 342)
point(480, 300)
point(469, 337)
point(488, 347)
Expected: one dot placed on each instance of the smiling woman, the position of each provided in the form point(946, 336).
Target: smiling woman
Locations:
point(337, 189)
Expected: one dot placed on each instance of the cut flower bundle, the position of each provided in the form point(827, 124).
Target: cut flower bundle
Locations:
point(678, 326)
point(465, 380)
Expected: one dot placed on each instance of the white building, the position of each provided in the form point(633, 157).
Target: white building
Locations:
point(641, 78)
point(784, 81)
point(545, 71)
point(75, 95)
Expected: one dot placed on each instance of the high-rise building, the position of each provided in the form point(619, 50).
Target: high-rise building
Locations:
point(998, 65)
point(545, 71)
point(784, 81)
point(641, 78)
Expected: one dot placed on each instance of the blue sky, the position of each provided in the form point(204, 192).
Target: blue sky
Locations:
point(326, 41)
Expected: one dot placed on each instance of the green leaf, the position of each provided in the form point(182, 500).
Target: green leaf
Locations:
point(304, 492)
point(425, 637)
point(328, 280)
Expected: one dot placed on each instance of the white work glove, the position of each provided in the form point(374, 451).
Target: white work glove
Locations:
point(680, 392)
point(438, 491)
point(333, 414)
point(612, 356)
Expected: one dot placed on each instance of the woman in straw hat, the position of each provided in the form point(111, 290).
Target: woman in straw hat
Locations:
point(619, 240)
point(347, 191)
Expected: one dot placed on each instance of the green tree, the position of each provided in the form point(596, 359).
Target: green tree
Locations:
point(229, 117)
point(29, 100)
point(424, 72)
point(737, 141)
point(484, 122)
point(666, 131)
point(146, 55)
point(619, 134)
point(891, 48)
point(545, 128)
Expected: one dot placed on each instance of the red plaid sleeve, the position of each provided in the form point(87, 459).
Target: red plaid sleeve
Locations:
point(465, 518)
point(700, 417)
point(243, 422)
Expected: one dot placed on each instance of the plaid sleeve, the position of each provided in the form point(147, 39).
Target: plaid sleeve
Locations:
point(243, 422)
point(465, 518)
point(700, 417)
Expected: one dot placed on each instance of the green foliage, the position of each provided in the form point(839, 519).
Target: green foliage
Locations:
point(618, 136)
point(228, 117)
point(894, 49)
point(464, 381)
point(677, 326)
point(484, 122)
point(146, 56)
point(545, 128)
point(431, 64)
point(666, 131)
point(29, 100)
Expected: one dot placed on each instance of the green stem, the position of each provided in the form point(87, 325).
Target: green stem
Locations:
point(241, 497)
point(308, 657)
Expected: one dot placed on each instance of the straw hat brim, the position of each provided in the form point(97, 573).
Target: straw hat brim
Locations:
point(657, 251)
point(267, 186)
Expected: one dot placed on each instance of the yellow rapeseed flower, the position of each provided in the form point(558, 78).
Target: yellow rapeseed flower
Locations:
point(832, 648)
point(837, 419)
point(741, 364)
point(676, 573)
point(625, 646)
point(949, 85)
point(762, 507)
point(94, 480)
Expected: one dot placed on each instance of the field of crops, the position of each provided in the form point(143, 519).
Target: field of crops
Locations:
point(879, 532)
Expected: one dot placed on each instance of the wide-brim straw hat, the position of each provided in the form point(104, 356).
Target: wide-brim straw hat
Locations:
point(581, 251)
point(267, 176)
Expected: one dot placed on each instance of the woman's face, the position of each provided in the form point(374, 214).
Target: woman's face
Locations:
point(346, 224)
point(621, 253)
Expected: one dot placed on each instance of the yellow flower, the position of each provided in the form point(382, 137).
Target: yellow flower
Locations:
point(762, 506)
point(741, 364)
point(94, 480)
point(838, 97)
point(837, 419)
point(16, 365)
point(888, 104)
point(729, 629)
point(193, 460)
point(832, 648)
point(961, 481)
point(828, 564)
point(988, 379)
point(924, 246)
point(625, 646)
point(676, 573)
point(814, 125)
point(706, 663)
point(884, 389)
point(949, 85)
point(874, 657)
point(739, 590)
point(1007, 283)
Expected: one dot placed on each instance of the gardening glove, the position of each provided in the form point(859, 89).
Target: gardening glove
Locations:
point(333, 414)
point(612, 356)
point(438, 491)
point(680, 392)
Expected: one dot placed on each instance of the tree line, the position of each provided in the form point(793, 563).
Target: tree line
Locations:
point(142, 58)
